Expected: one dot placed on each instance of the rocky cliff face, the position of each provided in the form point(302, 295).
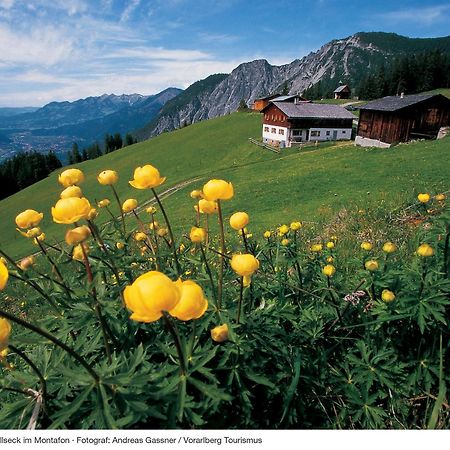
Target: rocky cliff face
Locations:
point(343, 59)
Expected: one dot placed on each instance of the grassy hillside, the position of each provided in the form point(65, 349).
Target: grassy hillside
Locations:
point(311, 184)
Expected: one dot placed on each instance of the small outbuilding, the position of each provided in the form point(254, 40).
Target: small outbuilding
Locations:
point(342, 92)
point(287, 123)
point(394, 119)
point(260, 103)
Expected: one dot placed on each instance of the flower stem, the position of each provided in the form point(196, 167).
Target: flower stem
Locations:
point(208, 270)
point(244, 238)
point(53, 339)
point(169, 228)
point(222, 253)
point(241, 292)
point(176, 338)
point(120, 208)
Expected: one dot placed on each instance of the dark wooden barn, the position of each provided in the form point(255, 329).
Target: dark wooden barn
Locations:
point(342, 92)
point(393, 119)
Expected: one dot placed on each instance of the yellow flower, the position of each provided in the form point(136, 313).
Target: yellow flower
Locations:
point(220, 333)
point(77, 252)
point(333, 238)
point(28, 218)
point(371, 265)
point(423, 198)
point(70, 210)
point(129, 205)
point(103, 203)
point(181, 248)
point(330, 259)
point(140, 236)
point(330, 244)
point(367, 246)
point(244, 265)
point(239, 220)
point(389, 247)
point(283, 230)
point(267, 234)
point(4, 274)
point(329, 270)
point(70, 177)
point(192, 304)
point(27, 262)
point(151, 210)
point(387, 296)
point(162, 232)
point(218, 190)
point(76, 235)
point(425, 250)
point(285, 242)
point(154, 225)
point(247, 280)
point(108, 177)
point(440, 197)
point(147, 177)
point(33, 232)
point(150, 294)
point(40, 238)
point(5, 331)
point(207, 207)
point(120, 245)
point(197, 235)
point(93, 213)
point(196, 194)
point(296, 226)
point(71, 191)
point(316, 248)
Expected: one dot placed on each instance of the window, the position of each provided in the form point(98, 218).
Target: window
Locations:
point(266, 129)
point(280, 131)
point(273, 130)
point(315, 133)
point(344, 131)
point(328, 133)
point(296, 132)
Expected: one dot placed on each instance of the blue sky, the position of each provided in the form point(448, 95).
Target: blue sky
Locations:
point(69, 49)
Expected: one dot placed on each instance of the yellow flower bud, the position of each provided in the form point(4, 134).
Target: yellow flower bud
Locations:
point(140, 236)
point(285, 242)
point(367, 246)
point(218, 190)
point(207, 207)
point(371, 265)
point(5, 331)
point(440, 197)
point(93, 213)
point(77, 252)
point(296, 226)
point(267, 234)
point(330, 244)
point(387, 296)
point(330, 259)
point(389, 247)
point(33, 232)
point(76, 235)
point(71, 191)
point(70, 210)
point(316, 248)
point(329, 270)
point(196, 194)
point(41, 237)
point(28, 218)
point(423, 198)
point(197, 235)
point(120, 245)
point(70, 177)
point(27, 262)
point(154, 225)
point(244, 265)
point(150, 294)
point(283, 230)
point(129, 205)
point(4, 274)
point(162, 232)
point(220, 333)
point(103, 203)
point(192, 304)
point(425, 250)
point(247, 280)
point(239, 220)
point(147, 177)
point(151, 210)
point(108, 177)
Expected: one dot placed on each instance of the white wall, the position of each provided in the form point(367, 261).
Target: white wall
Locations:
point(342, 134)
point(275, 135)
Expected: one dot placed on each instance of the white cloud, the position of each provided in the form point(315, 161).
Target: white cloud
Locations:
point(6, 4)
point(425, 15)
point(158, 53)
point(129, 9)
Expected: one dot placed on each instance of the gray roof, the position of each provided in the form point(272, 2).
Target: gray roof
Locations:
point(267, 97)
point(283, 98)
point(395, 102)
point(313, 111)
point(341, 88)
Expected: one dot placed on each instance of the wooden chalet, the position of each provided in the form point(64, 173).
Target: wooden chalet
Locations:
point(286, 123)
point(342, 92)
point(393, 119)
point(260, 103)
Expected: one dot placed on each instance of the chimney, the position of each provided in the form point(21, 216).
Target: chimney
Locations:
point(402, 95)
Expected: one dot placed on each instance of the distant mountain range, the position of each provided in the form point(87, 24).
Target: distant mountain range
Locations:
point(58, 124)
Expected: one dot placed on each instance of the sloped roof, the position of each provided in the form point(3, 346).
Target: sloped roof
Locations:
point(313, 111)
point(268, 97)
point(341, 88)
point(283, 98)
point(395, 102)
